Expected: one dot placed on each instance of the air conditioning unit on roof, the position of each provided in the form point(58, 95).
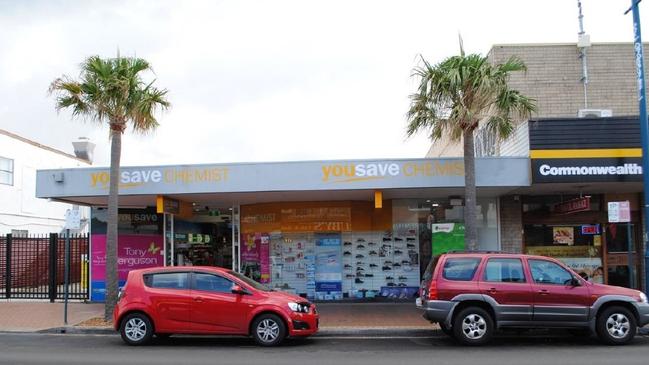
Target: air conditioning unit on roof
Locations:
point(594, 113)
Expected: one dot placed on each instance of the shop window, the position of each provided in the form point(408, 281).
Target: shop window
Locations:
point(460, 269)
point(504, 271)
point(174, 280)
point(213, 283)
point(563, 240)
point(546, 272)
point(6, 171)
point(617, 237)
point(619, 275)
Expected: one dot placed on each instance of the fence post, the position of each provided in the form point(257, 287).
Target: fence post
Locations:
point(87, 265)
point(8, 268)
point(52, 265)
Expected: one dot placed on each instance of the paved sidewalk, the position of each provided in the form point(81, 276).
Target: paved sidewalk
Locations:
point(32, 316)
point(371, 315)
point(338, 318)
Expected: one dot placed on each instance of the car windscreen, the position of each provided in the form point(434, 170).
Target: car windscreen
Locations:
point(249, 281)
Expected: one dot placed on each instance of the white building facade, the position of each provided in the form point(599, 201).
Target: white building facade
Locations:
point(21, 213)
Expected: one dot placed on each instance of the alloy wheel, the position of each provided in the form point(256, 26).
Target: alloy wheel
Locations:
point(135, 329)
point(618, 325)
point(268, 330)
point(474, 326)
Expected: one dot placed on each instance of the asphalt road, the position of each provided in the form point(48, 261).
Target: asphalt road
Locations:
point(109, 349)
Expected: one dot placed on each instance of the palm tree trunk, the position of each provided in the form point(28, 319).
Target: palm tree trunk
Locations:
point(471, 230)
point(111, 232)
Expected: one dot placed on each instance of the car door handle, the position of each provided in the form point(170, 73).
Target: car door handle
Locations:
point(543, 292)
point(492, 290)
point(198, 299)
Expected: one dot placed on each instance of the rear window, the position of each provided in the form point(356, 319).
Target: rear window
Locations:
point(430, 269)
point(167, 280)
point(461, 269)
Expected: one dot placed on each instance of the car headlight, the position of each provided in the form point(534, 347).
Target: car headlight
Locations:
point(643, 297)
point(298, 307)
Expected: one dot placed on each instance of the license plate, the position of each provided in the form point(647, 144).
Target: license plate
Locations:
point(418, 302)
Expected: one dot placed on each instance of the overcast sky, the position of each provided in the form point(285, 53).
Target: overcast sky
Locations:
point(267, 80)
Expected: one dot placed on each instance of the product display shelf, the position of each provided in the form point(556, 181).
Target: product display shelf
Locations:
point(289, 263)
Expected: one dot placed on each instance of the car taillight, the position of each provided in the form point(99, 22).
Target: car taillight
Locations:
point(432, 290)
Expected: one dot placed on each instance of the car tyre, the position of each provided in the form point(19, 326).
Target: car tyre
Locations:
point(473, 326)
point(268, 330)
point(136, 329)
point(616, 326)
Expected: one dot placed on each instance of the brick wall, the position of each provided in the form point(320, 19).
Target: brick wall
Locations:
point(554, 73)
point(553, 78)
point(511, 224)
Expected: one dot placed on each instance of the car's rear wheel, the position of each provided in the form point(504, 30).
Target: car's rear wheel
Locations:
point(268, 330)
point(473, 326)
point(616, 326)
point(136, 329)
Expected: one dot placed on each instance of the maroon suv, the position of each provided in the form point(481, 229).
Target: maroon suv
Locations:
point(473, 294)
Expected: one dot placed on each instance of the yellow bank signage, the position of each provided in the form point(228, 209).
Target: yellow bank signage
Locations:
point(351, 172)
point(139, 177)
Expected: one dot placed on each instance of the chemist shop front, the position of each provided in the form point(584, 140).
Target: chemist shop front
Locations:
point(339, 230)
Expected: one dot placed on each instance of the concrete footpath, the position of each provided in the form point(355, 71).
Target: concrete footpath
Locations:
point(336, 319)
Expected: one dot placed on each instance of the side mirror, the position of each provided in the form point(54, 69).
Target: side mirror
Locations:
point(236, 289)
point(575, 282)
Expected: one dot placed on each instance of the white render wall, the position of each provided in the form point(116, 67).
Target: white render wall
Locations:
point(518, 144)
point(19, 207)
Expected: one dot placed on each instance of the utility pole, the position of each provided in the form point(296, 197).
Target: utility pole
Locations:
point(583, 42)
point(644, 128)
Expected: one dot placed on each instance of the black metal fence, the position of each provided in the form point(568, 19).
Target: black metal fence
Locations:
point(33, 267)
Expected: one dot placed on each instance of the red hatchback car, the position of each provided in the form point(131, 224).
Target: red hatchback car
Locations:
point(473, 294)
point(208, 301)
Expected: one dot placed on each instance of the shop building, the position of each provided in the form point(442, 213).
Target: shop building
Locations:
point(578, 137)
point(327, 230)
point(578, 166)
point(21, 213)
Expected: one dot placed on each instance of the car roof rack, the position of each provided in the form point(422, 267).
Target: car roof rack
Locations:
point(476, 251)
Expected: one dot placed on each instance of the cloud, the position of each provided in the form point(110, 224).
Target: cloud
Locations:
point(261, 80)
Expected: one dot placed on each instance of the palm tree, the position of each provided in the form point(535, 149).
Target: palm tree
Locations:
point(111, 90)
point(454, 97)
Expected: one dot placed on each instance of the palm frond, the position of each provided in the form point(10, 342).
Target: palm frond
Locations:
point(111, 90)
point(454, 95)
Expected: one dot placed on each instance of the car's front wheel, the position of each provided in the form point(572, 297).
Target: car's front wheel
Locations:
point(136, 329)
point(473, 326)
point(268, 330)
point(616, 326)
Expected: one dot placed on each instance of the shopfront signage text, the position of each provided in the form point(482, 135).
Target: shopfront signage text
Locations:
point(371, 171)
point(573, 206)
point(607, 169)
point(139, 177)
point(590, 229)
point(626, 169)
point(619, 212)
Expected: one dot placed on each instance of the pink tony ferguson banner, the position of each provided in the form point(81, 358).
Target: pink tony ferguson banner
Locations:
point(133, 252)
point(256, 249)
